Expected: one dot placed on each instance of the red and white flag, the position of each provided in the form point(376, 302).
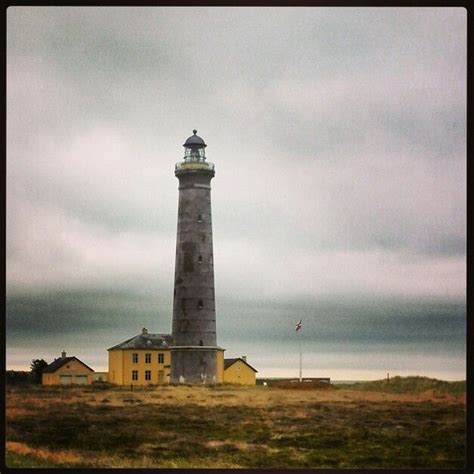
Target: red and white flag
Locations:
point(298, 326)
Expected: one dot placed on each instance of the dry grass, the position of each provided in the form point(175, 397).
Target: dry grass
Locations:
point(233, 427)
point(70, 458)
point(253, 396)
point(60, 457)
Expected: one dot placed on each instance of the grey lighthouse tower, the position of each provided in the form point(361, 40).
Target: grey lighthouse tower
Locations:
point(194, 352)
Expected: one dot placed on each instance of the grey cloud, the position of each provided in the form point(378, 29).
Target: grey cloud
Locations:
point(336, 325)
point(86, 311)
point(355, 320)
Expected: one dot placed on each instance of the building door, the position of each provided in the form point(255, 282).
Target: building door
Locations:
point(81, 379)
point(161, 376)
point(65, 379)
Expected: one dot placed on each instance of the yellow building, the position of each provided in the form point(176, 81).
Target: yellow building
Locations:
point(67, 371)
point(145, 359)
point(238, 371)
point(142, 360)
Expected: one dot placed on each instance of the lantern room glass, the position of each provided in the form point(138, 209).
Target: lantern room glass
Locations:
point(194, 154)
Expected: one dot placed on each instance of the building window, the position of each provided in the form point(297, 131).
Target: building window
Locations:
point(147, 358)
point(161, 358)
point(147, 374)
point(200, 305)
point(135, 358)
point(200, 259)
point(134, 374)
point(199, 218)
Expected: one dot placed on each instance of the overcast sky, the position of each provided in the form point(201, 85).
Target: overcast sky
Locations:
point(339, 140)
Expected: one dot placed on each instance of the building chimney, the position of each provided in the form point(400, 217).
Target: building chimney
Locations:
point(63, 354)
point(144, 331)
point(244, 358)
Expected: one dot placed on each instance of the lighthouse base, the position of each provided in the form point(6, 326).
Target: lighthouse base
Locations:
point(203, 365)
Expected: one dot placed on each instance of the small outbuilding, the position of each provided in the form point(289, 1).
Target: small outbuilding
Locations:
point(239, 371)
point(67, 371)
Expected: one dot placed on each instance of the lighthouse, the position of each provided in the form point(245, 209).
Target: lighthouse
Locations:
point(195, 356)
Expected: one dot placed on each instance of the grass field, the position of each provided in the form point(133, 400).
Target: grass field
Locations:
point(411, 422)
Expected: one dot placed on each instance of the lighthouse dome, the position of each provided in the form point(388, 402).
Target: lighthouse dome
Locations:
point(194, 141)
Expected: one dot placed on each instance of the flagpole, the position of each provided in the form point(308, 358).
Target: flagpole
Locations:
point(301, 379)
point(298, 328)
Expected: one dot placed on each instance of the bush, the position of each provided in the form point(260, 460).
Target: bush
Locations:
point(18, 377)
point(37, 367)
point(414, 384)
